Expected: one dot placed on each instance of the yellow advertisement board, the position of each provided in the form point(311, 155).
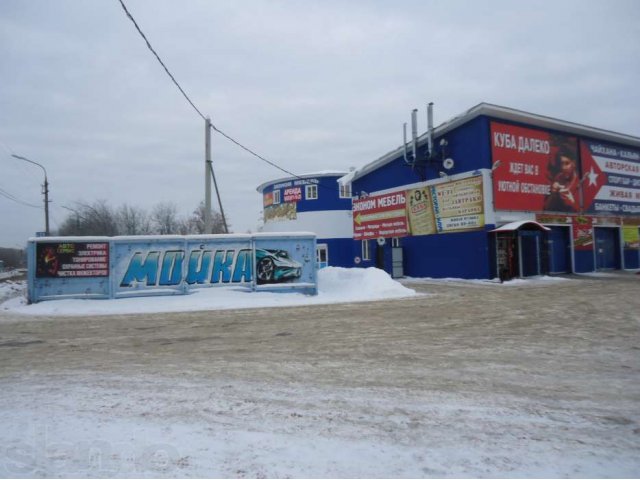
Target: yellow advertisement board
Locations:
point(631, 237)
point(420, 211)
point(458, 205)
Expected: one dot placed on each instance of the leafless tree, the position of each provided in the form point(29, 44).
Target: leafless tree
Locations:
point(164, 218)
point(133, 221)
point(196, 221)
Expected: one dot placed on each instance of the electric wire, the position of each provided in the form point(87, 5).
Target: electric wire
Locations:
point(12, 197)
point(214, 128)
point(159, 59)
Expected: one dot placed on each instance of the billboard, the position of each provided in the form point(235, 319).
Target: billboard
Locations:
point(534, 170)
point(611, 181)
point(72, 259)
point(380, 216)
point(456, 205)
point(169, 265)
point(280, 212)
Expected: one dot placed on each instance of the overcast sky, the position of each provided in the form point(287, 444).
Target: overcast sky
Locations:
point(310, 85)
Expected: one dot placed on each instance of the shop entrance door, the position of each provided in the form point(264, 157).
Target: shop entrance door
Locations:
point(607, 248)
point(507, 256)
point(559, 250)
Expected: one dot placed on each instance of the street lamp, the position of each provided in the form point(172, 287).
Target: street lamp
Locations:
point(46, 191)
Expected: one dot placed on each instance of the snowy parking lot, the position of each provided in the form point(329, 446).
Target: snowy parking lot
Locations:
point(535, 378)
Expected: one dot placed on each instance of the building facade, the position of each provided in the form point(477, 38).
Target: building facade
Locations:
point(497, 192)
point(315, 203)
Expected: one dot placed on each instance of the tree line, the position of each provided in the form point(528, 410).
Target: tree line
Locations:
point(100, 218)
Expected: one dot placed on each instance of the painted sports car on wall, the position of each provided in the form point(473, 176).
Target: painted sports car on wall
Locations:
point(275, 266)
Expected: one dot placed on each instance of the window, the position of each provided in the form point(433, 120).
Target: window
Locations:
point(395, 242)
point(322, 255)
point(365, 250)
point(345, 190)
point(311, 192)
point(276, 196)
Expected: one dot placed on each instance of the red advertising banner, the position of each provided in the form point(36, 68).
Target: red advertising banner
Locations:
point(534, 170)
point(380, 216)
point(611, 182)
point(292, 194)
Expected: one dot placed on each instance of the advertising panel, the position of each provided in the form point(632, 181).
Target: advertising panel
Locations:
point(170, 265)
point(631, 237)
point(420, 211)
point(534, 170)
point(72, 259)
point(280, 212)
point(292, 194)
point(380, 216)
point(458, 205)
point(611, 179)
point(452, 206)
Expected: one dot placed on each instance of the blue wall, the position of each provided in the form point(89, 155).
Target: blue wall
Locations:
point(328, 193)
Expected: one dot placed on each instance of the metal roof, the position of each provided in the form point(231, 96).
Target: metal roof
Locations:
point(324, 173)
point(509, 114)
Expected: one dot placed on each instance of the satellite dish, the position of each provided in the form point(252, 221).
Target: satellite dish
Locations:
point(448, 163)
point(381, 241)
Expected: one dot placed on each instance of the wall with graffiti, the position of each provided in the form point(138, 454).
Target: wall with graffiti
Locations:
point(116, 267)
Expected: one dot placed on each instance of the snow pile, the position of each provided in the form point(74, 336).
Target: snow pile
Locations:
point(335, 285)
point(363, 284)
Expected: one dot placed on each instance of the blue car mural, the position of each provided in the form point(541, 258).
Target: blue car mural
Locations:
point(275, 266)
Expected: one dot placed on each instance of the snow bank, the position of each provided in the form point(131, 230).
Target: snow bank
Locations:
point(335, 285)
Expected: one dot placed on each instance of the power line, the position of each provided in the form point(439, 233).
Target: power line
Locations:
point(196, 108)
point(159, 59)
point(264, 159)
point(12, 197)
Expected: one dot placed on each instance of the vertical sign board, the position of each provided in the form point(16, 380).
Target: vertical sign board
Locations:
point(167, 265)
point(611, 179)
point(534, 170)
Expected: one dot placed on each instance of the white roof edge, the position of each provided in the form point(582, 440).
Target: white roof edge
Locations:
point(510, 227)
point(324, 173)
point(503, 113)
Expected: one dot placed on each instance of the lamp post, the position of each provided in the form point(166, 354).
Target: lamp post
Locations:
point(45, 191)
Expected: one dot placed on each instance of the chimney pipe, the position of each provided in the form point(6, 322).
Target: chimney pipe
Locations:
point(414, 132)
point(430, 127)
point(404, 136)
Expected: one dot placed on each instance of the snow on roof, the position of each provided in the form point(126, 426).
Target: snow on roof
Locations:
point(510, 227)
point(500, 113)
point(321, 173)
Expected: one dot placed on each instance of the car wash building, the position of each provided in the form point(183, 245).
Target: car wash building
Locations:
point(497, 192)
point(312, 203)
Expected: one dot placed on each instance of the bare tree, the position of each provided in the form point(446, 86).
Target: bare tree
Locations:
point(196, 221)
point(133, 221)
point(164, 217)
point(95, 219)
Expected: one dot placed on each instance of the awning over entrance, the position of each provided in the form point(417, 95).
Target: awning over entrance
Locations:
point(522, 225)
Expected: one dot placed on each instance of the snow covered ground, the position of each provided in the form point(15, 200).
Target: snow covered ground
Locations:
point(458, 379)
point(335, 285)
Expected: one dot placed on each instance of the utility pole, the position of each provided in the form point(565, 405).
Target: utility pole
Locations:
point(207, 180)
point(45, 191)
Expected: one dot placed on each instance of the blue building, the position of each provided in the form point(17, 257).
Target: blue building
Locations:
point(497, 192)
point(314, 203)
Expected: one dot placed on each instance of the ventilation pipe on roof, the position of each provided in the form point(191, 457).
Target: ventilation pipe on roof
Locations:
point(404, 136)
point(430, 128)
point(414, 132)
